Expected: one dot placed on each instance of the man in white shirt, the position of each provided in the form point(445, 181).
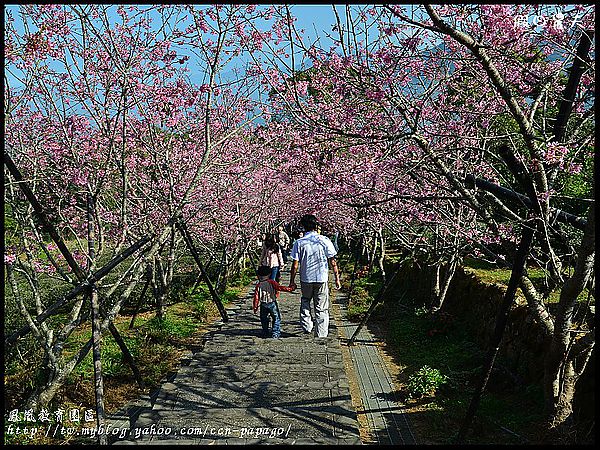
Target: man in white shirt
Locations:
point(313, 253)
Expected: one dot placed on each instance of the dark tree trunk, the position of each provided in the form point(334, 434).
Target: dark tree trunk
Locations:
point(96, 331)
point(501, 321)
point(567, 358)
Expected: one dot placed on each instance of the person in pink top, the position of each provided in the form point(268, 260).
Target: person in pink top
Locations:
point(272, 257)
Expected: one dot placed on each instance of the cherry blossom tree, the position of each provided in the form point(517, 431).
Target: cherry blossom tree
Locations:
point(100, 104)
point(450, 131)
point(474, 96)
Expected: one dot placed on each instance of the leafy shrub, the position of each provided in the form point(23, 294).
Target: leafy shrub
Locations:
point(200, 297)
point(421, 311)
point(359, 304)
point(425, 381)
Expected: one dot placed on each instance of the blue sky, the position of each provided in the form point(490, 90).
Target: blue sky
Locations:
point(320, 17)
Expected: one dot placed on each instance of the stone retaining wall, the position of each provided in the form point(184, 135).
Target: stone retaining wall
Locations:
point(476, 303)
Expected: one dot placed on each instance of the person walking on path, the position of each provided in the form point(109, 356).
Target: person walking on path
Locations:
point(313, 253)
point(271, 256)
point(336, 235)
point(284, 243)
point(266, 293)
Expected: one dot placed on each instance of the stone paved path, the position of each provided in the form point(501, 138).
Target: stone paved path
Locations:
point(245, 389)
point(388, 423)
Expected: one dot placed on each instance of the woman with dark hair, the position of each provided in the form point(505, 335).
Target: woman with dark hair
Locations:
point(271, 256)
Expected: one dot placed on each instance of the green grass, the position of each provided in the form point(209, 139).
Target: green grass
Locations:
point(156, 345)
point(202, 299)
point(489, 273)
point(505, 407)
point(181, 320)
point(246, 277)
point(454, 352)
point(171, 326)
point(363, 293)
point(458, 358)
point(111, 357)
point(417, 339)
point(146, 331)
